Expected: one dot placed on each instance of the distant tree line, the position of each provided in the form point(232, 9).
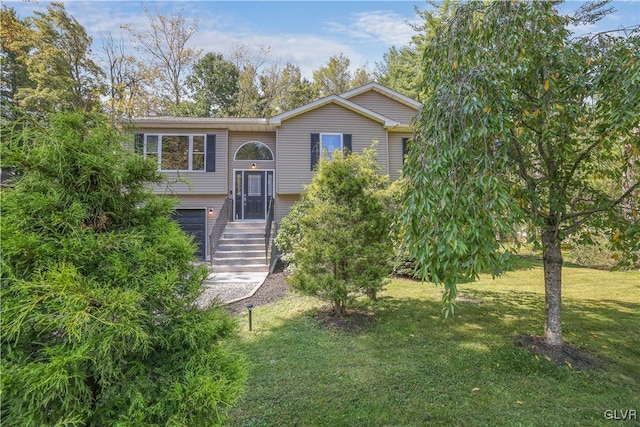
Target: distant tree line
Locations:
point(48, 66)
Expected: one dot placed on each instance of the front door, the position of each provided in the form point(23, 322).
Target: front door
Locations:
point(254, 195)
point(253, 190)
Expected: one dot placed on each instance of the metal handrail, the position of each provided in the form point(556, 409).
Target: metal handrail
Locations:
point(225, 213)
point(268, 227)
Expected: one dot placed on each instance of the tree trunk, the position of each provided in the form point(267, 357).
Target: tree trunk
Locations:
point(552, 286)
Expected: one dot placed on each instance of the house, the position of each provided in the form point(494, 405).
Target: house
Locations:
point(253, 160)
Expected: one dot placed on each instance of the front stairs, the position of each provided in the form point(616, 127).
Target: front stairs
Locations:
point(241, 248)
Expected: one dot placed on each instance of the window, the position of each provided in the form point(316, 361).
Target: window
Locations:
point(254, 150)
point(176, 152)
point(329, 143)
point(197, 162)
point(255, 185)
point(325, 144)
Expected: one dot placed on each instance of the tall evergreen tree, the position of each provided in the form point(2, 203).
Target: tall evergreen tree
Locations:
point(336, 238)
point(100, 317)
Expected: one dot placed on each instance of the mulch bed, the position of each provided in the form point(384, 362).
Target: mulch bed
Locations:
point(561, 355)
point(353, 321)
point(274, 288)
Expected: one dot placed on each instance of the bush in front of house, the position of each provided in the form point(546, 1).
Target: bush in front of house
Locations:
point(337, 237)
point(100, 324)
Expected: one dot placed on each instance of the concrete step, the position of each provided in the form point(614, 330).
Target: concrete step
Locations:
point(246, 226)
point(239, 254)
point(241, 268)
point(238, 261)
point(238, 235)
point(239, 246)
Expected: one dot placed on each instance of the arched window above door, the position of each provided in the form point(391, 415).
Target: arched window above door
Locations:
point(254, 150)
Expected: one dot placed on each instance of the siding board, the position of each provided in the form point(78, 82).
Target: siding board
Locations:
point(386, 106)
point(284, 204)
point(395, 154)
point(198, 183)
point(294, 155)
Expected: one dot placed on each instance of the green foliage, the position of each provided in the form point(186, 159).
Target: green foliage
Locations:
point(409, 367)
point(400, 68)
point(336, 78)
point(100, 324)
point(282, 89)
point(523, 125)
point(214, 83)
point(13, 72)
point(55, 52)
point(337, 236)
point(402, 262)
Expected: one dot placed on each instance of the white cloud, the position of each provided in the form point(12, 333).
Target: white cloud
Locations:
point(384, 27)
point(309, 52)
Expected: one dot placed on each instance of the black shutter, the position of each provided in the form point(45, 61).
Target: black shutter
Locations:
point(405, 149)
point(211, 153)
point(138, 143)
point(315, 149)
point(346, 142)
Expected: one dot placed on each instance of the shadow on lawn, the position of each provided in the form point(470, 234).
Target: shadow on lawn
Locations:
point(393, 368)
point(528, 262)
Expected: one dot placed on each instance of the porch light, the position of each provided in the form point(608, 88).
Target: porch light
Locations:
point(253, 165)
point(211, 212)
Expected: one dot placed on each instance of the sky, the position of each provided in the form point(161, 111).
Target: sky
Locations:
point(305, 33)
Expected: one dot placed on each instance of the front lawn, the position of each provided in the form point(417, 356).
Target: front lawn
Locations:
point(410, 367)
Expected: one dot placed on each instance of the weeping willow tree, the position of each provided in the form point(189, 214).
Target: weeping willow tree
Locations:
point(100, 324)
point(524, 127)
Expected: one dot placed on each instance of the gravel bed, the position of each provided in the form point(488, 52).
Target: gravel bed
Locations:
point(225, 291)
point(274, 288)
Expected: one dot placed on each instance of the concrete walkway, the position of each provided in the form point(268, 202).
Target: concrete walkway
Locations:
point(228, 287)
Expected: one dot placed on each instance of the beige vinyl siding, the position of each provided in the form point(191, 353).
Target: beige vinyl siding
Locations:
point(237, 139)
point(283, 205)
point(293, 158)
point(184, 182)
point(202, 202)
point(395, 154)
point(386, 106)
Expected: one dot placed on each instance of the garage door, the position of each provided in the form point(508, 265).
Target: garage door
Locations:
point(193, 222)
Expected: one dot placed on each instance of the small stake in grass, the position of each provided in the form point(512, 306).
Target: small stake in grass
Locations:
point(249, 307)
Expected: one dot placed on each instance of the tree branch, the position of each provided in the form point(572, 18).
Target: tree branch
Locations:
point(586, 214)
point(529, 180)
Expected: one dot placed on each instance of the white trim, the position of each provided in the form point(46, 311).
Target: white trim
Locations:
point(266, 192)
point(335, 99)
point(385, 91)
point(341, 149)
point(191, 152)
point(253, 160)
point(227, 162)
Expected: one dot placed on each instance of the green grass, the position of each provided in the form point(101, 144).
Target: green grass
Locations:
point(411, 367)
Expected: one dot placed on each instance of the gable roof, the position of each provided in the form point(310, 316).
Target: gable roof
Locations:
point(262, 124)
point(333, 99)
point(377, 87)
